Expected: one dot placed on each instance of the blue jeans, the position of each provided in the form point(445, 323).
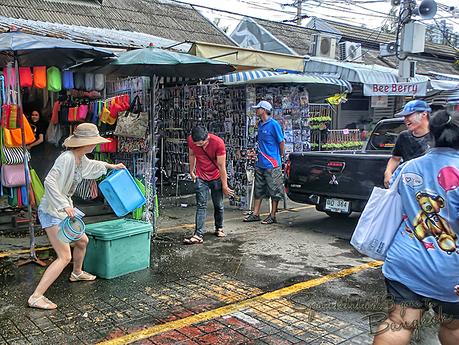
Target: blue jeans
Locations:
point(202, 193)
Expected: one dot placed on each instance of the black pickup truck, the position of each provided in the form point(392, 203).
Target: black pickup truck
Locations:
point(340, 182)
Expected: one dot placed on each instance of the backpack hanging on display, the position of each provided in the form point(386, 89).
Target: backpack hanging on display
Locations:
point(39, 77)
point(25, 77)
point(99, 82)
point(78, 81)
point(89, 81)
point(67, 80)
point(54, 79)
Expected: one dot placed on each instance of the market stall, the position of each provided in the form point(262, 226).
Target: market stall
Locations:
point(224, 106)
point(19, 52)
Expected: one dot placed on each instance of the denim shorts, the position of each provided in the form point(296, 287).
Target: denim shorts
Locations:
point(402, 295)
point(47, 220)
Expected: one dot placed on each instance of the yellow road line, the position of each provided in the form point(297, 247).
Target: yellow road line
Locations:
point(231, 308)
point(21, 251)
point(182, 226)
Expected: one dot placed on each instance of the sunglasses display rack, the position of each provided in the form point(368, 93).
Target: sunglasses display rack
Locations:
point(221, 110)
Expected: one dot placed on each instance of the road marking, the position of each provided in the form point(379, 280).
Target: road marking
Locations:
point(182, 226)
point(232, 308)
point(21, 251)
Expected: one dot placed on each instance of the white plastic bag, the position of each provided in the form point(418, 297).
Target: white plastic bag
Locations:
point(379, 222)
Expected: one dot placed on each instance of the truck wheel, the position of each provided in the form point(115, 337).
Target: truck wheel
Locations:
point(337, 215)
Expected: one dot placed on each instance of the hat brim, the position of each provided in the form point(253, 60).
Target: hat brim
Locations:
point(256, 107)
point(73, 141)
point(404, 113)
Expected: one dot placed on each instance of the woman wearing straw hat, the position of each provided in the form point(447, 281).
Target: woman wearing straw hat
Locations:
point(67, 172)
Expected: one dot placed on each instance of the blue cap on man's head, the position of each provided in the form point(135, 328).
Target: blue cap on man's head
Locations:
point(416, 106)
point(265, 105)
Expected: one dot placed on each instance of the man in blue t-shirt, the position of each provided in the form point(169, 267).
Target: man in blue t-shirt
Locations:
point(268, 172)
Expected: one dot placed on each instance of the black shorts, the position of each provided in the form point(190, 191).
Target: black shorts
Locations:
point(400, 294)
point(269, 183)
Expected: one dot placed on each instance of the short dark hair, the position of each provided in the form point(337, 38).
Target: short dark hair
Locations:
point(444, 126)
point(199, 133)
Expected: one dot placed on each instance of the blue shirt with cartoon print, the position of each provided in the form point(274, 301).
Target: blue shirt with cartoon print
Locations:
point(424, 255)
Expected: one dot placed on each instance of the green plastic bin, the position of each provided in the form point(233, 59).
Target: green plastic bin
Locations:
point(117, 247)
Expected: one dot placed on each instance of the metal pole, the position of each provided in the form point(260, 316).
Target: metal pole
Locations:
point(33, 255)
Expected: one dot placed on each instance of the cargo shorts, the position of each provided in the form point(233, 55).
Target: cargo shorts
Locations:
point(269, 183)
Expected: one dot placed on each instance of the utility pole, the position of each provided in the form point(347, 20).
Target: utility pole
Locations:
point(298, 4)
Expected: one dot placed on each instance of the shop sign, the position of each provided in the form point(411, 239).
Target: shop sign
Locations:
point(379, 101)
point(395, 89)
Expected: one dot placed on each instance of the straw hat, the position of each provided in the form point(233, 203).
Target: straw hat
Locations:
point(85, 134)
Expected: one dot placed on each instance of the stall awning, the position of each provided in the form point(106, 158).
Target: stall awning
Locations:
point(377, 80)
point(271, 77)
point(243, 58)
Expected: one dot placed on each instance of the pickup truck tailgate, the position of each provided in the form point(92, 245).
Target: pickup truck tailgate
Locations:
point(348, 174)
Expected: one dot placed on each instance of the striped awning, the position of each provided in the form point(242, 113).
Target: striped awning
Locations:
point(246, 76)
point(271, 77)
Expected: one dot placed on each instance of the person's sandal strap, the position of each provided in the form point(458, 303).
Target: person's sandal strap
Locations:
point(219, 233)
point(83, 276)
point(269, 220)
point(193, 240)
point(252, 218)
point(47, 306)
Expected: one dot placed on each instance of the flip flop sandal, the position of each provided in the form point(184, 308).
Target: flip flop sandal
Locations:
point(193, 240)
point(269, 220)
point(47, 306)
point(83, 276)
point(252, 218)
point(219, 233)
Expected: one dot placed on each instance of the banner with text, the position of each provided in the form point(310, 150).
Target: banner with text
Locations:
point(395, 89)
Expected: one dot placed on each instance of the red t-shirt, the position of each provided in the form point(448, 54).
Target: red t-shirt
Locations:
point(206, 168)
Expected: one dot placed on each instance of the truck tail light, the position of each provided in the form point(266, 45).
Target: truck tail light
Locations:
point(335, 167)
point(288, 167)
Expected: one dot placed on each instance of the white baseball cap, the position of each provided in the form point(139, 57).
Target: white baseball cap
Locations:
point(265, 105)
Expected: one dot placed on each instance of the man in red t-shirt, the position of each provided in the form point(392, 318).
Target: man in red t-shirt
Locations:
point(207, 156)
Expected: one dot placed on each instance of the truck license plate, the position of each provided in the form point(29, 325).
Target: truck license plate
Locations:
point(337, 205)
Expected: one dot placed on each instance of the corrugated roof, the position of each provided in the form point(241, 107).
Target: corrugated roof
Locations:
point(93, 36)
point(154, 17)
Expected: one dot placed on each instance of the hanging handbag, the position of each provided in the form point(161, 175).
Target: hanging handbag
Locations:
point(67, 80)
point(127, 145)
point(379, 222)
point(14, 155)
point(37, 187)
point(39, 77)
point(72, 114)
point(82, 112)
point(13, 137)
point(134, 123)
point(10, 77)
point(13, 175)
point(110, 147)
point(25, 77)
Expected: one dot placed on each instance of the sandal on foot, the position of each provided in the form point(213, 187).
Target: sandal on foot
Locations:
point(252, 218)
point(219, 233)
point(83, 276)
point(193, 240)
point(269, 220)
point(41, 303)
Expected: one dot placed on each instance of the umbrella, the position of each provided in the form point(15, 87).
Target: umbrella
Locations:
point(154, 62)
point(32, 50)
point(151, 61)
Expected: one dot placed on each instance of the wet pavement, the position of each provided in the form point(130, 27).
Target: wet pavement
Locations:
point(296, 282)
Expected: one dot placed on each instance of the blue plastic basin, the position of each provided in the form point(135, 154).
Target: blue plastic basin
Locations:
point(121, 192)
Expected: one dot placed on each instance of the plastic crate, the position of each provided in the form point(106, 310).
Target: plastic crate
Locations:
point(117, 247)
point(121, 192)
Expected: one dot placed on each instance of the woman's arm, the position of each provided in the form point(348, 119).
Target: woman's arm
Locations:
point(36, 142)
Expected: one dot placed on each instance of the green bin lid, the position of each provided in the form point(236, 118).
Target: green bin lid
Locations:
point(118, 228)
